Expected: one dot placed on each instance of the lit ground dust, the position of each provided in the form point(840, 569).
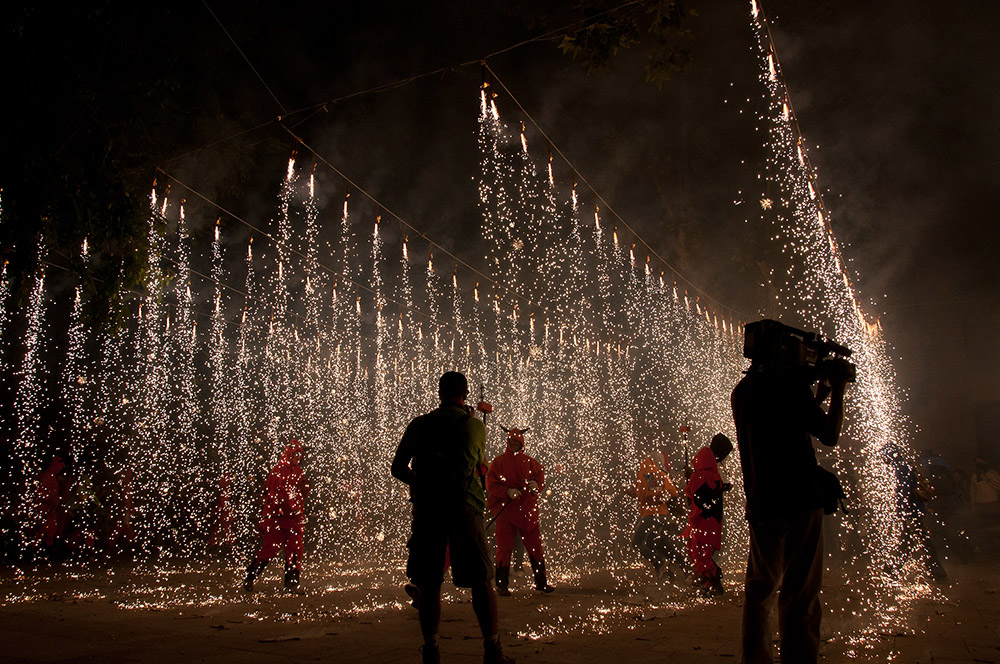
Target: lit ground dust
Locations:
point(135, 614)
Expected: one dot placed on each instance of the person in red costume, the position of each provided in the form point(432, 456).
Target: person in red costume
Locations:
point(513, 482)
point(656, 534)
point(704, 531)
point(50, 512)
point(283, 517)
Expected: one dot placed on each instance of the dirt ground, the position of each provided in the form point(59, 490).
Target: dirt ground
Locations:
point(139, 614)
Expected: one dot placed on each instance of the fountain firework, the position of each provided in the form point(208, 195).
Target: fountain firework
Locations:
point(340, 331)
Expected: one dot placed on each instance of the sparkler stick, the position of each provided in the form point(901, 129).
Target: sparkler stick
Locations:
point(482, 398)
point(687, 452)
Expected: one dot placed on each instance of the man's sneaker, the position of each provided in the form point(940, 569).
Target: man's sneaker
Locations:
point(493, 654)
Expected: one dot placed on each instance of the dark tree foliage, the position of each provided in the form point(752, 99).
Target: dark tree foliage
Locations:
point(598, 30)
point(97, 95)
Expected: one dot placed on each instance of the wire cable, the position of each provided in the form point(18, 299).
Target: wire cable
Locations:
point(244, 55)
point(603, 201)
point(298, 253)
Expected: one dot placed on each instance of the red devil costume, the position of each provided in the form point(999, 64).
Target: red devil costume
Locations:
point(283, 517)
point(513, 482)
point(704, 531)
point(50, 512)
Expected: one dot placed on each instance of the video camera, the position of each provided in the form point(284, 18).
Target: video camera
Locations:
point(773, 344)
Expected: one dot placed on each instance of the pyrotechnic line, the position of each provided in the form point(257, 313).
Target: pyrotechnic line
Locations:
point(803, 153)
point(4, 332)
point(677, 273)
point(151, 395)
point(408, 225)
point(495, 283)
point(602, 348)
point(818, 289)
point(222, 394)
point(77, 387)
point(290, 249)
point(29, 400)
point(181, 363)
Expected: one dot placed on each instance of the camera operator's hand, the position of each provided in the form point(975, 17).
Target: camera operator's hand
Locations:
point(533, 486)
point(841, 373)
point(513, 494)
point(823, 390)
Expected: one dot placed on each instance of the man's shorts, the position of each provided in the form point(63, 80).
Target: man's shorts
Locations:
point(461, 534)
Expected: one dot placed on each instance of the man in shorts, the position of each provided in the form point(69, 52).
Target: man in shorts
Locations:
point(438, 457)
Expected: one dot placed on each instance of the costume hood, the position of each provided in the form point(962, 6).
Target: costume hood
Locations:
point(56, 466)
point(288, 454)
point(704, 460)
point(515, 435)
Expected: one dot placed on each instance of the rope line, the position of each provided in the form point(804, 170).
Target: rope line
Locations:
point(385, 87)
point(441, 70)
point(316, 108)
point(244, 55)
point(298, 253)
point(419, 233)
point(811, 174)
point(220, 141)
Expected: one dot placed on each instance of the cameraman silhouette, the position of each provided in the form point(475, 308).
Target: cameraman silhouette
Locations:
point(776, 412)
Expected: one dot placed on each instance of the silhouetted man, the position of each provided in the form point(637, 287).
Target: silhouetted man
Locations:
point(438, 457)
point(775, 411)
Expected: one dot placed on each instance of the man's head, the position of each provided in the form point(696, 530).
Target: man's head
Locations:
point(721, 446)
point(453, 386)
point(659, 457)
point(515, 440)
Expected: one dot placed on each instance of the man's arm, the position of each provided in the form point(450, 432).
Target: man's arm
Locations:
point(642, 490)
point(537, 476)
point(400, 468)
point(706, 498)
point(494, 482)
point(829, 427)
point(668, 487)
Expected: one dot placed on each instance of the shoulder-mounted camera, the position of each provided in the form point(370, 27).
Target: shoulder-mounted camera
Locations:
point(776, 346)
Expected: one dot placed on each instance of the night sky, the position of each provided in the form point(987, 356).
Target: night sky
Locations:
point(898, 103)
